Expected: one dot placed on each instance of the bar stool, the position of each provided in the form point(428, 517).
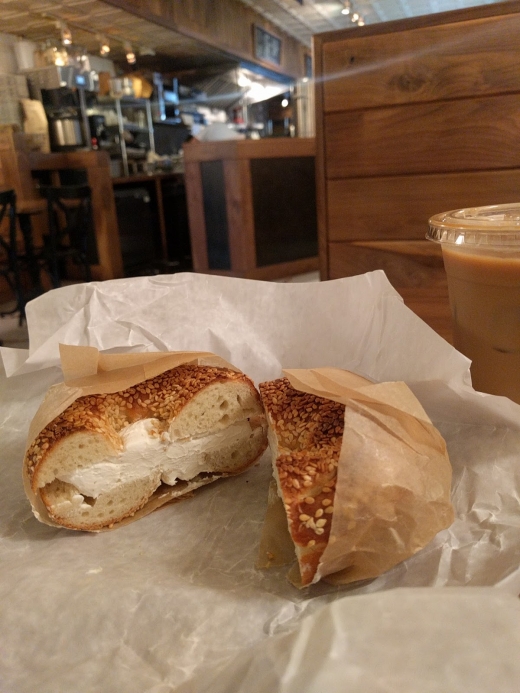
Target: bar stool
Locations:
point(25, 210)
point(69, 209)
point(10, 268)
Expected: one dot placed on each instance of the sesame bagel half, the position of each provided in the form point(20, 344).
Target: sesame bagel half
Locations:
point(305, 434)
point(110, 456)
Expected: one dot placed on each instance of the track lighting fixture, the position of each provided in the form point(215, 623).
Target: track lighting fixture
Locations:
point(130, 55)
point(66, 35)
point(349, 10)
point(104, 46)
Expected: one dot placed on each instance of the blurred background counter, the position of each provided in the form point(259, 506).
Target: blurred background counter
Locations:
point(140, 221)
point(252, 206)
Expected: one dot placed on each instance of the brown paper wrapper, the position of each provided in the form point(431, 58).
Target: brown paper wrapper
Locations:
point(88, 372)
point(393, 486)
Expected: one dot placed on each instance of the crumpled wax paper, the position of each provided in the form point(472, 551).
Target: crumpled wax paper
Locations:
point(176, 595)
point(407, 640)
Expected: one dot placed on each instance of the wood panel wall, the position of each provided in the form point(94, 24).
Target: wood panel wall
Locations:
point(413, 118)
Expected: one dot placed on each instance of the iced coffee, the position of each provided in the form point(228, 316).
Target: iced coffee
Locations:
point(481, 252)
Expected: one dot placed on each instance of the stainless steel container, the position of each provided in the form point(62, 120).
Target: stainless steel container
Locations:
point(66, 131)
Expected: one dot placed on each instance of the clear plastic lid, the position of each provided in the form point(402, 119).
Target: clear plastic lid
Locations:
point(496, 226)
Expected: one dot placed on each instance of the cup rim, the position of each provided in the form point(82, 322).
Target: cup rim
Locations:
point(496, 226)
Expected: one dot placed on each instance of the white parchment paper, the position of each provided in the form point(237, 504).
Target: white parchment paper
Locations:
point(165, 600)
point(399, 641)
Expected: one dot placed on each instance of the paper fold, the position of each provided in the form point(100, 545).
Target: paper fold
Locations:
point(393, 480)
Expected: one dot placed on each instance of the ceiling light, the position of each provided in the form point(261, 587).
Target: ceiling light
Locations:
point(361, 22)
point(346, 8)
point(130, 55)
point(285, 103)
point(355, 17)
point(104, 46)
point(66, 35)
point(243, 80)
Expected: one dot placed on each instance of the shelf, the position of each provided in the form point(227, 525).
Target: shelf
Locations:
point(130, 102)
point(119, 106)
point(124, 101)
point(132, 127)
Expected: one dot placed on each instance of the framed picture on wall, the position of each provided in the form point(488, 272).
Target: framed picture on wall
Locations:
point(267, 46)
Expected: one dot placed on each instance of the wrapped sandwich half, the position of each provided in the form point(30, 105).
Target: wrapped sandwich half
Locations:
point(111, 447)
point(363, 475)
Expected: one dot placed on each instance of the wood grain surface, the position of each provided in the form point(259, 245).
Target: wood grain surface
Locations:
point(398, 207)
point(459, 135)
point(413, 118)
point(406, 263)
point(447, 61)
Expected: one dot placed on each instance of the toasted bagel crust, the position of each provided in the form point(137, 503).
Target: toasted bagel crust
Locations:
point(185, 398)
point(306, 432)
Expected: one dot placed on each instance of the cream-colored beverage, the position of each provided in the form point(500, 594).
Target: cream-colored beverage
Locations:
point(481, 252)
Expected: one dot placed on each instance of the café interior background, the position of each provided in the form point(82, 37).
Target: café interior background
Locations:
point(198, 76)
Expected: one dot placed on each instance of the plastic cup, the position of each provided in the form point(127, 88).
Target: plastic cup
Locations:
point(481, 253)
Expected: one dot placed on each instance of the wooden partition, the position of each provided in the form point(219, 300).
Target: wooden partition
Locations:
point(414, 117)
point(252, 207)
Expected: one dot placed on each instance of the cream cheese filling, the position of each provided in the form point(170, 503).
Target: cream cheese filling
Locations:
point(146, 452)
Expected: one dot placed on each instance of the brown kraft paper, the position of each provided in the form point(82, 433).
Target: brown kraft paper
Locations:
point(393, 484)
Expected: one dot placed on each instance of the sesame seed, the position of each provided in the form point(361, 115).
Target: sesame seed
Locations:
point(109, 413)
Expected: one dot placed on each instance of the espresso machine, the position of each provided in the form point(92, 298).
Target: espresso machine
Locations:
point(64, 91)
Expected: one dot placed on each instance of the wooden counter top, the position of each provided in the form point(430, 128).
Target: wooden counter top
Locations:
point(267, 148)
point(55, 161)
